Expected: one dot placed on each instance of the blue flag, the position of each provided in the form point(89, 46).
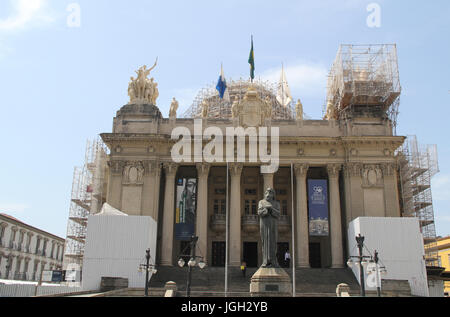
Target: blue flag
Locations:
point(221, 85)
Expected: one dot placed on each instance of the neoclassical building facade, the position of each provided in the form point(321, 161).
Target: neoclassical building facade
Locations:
point(346, 164)
point(26, 251)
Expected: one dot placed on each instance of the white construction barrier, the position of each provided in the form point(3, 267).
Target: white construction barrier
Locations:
point(400, 247)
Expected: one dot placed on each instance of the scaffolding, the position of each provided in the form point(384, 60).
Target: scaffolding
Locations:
point(365, 77)
point(87, 197)
point(221, 109)
point(418, 164)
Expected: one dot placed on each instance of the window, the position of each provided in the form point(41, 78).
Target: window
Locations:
point(250, 192)
point(219, 206)
point(220, 191)
point(439, 261)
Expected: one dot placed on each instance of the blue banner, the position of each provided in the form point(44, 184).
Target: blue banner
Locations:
point(186, 207)
point(318, 207)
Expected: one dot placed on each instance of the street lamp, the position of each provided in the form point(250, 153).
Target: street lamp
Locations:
point(361, 261)
point(148, 268)
point(192, 263)
point(378, 271)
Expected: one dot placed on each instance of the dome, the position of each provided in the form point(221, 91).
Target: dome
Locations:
point(221, 109)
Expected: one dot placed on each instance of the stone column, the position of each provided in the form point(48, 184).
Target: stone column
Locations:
point(391, 190)
point(235, 214)
point(302, 221)
point(354, 195)
point(150, 189)
point(114, 194)
point(268, 181)
point(168, 217)
point(202, 210)
point(337, 257)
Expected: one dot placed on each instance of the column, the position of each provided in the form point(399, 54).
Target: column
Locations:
point(168, 217)
point(268, 181)
point(302, 221)
point(202, 210)
point(150, 189)
point(337, 258)
point(391, 190)
point(114, 194)
point(235, 214)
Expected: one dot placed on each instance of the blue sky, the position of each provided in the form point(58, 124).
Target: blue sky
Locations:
point(61, 85)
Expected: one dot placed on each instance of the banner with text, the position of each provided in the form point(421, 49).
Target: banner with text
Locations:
point(186, 205)
point(318, 207)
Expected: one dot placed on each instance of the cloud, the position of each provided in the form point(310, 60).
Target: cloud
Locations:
point(303, 78)
point(26, 13)
point(13, 208)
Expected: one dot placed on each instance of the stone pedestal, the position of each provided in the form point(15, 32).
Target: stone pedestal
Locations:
point(271, 282)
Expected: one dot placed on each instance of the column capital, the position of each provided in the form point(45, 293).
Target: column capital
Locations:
point(116, 167)
point(170, 168)
point(353, 169)
point(388, 168)
point(333, 170)
point(203, 169)
point(152, 167)
point(301, 170)
point(236, 169)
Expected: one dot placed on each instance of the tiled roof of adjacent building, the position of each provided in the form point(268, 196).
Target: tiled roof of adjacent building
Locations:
point(19, 222)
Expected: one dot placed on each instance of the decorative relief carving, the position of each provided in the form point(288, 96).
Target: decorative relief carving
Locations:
point(333, 153)
point(372, 175)
point(252, 111)
point(300, 152)
point(133, 173)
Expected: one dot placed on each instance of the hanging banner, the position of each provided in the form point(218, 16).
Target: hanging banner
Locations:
point(186, 206)
point(318, 207)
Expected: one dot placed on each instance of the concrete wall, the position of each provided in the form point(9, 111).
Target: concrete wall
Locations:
point(115, 247)
point(26, 290)
point(400, 247)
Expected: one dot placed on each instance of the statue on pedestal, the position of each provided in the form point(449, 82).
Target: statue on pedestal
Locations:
point(269, 212)
point(142, 90)
point(299, 110)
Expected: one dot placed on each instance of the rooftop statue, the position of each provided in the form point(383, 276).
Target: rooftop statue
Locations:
point(299, 110)
point(173, 109)
point(142, 90)
point(269, 212)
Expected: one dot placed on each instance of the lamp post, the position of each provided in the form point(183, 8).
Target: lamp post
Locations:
point(147, 267)
point(362, 261)
point(191, 264)
point(378, 271)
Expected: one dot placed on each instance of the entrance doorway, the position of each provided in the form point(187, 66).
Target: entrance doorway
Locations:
point(251, 254)
point(218, 254)
point(281, 251)
point(315, 259)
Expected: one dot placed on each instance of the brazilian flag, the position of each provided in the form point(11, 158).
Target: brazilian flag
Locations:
point(251, 61)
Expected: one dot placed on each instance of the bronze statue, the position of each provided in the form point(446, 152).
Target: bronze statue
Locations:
point(269, 212)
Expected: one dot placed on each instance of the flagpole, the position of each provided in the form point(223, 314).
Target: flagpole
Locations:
point(293, 232)
point(226, 238)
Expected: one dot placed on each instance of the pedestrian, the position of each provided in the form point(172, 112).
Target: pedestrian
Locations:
point(287, 259)
point(244, 268)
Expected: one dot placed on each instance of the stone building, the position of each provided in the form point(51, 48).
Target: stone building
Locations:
point(351, 153)
point(26, 251)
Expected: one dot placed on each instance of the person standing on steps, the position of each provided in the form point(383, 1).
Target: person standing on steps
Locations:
point(244, 268)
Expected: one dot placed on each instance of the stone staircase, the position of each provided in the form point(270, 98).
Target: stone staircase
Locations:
point(210, 282)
